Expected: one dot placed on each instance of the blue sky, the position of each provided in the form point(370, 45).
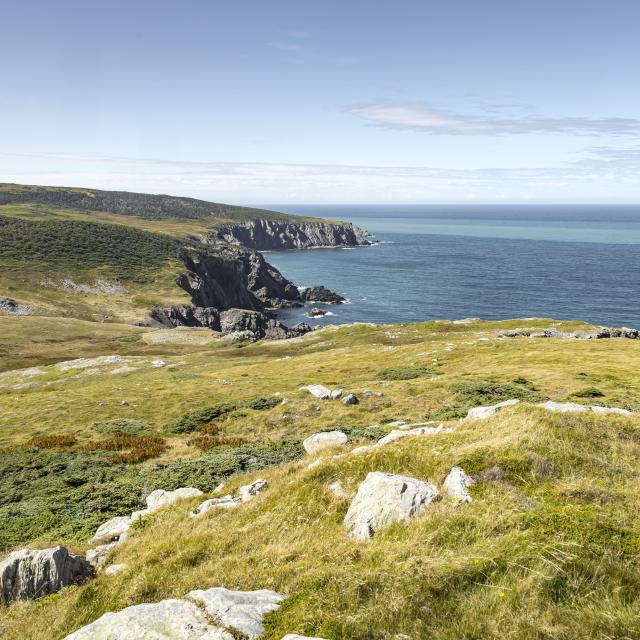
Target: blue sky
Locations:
point(325, 102)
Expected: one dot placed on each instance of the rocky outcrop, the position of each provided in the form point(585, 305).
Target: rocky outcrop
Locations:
point(384, 498)
point(245, 494)
point(482, 413)
point(573, 407)
point(601, 333)
point(320, 294)
point(324, 440)
point(263, 234)
point(15, 308)
point(27, 574)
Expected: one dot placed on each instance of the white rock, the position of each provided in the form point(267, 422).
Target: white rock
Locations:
point(349, 399)
point(158, 363)
point(160, 498)
point(611, 410)
point(324, 440)
point(384, 498)
point(419, 431)
point(249, 491)
point(241, 610)
point(111, 529)
point(318, 391)
point(363, 449)
point(457, 484)
point(337, 489)
point(98, 555)
point(225, 502)
point(27, 574)
point(165, 620)
point(564, 407)
point(482, 413)
point(295, 636)
point(398, 423)
point(336, 393)
point(114, 569)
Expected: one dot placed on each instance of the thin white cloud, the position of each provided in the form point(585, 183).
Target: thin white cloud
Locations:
point(420, 116)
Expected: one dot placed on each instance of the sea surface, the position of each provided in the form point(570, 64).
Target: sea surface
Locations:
point(493, 262)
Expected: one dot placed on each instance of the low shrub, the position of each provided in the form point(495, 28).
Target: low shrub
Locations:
point(133, 449)
point(189, 421)
point(262, 403)
point(51, 442)
point(122, 425)
point(404, 373)
point(588, 392)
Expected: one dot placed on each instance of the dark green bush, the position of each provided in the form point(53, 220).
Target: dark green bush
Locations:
point(122, 425)
point(588, 392)
point(404, 373)
point(262, 404)
point(189, 421)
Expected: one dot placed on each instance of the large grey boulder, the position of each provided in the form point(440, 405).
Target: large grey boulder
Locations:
point(241, 610)
point(250, 491)
point(225, 502)
point(384, 498)
point(456, 485)
point(165, 620)
point(564, 407)
point(482, 413)
point(324, 440)
point(28, 574)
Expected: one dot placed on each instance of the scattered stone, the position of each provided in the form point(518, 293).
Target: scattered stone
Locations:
point(114, 569)
point(26, 574)
point(318, 391)
point(85, 363)
point(15, 308)
point(482, 413)
point(337, 489)
point(384, 498)
point(324, 440)
point(564, 407)
point(249, 491)
point(165, 620)
point(597, 334)
point(336, 393)
point(158, 363)
point(349, 399)
point(457, 484)
point(372, 394)
point(240, 610)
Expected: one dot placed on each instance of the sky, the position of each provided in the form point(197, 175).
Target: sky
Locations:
point(278, 101)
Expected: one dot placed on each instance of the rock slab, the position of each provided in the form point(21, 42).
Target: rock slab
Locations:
point(324, 440)
point(384, 498)
point(28, 574)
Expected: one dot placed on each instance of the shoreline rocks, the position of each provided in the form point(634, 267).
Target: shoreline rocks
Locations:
point(321, 294)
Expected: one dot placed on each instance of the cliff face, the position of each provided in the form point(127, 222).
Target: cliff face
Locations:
point(263, 234)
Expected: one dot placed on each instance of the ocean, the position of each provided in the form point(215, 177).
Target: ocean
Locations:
point(493, 262)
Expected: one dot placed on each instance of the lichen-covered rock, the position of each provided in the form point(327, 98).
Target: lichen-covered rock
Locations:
point(160, 498)
point(456, 485)
point(384, 498)
point(240, 610)
point(482, 413)
point(249, 491)
point(319, 391)
point(349, 399)
point(28, 574)
point(418, 431)
point(324, 440)
point(225, 502)
point(165, 620)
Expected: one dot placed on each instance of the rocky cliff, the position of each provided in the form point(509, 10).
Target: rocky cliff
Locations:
point(263, 234)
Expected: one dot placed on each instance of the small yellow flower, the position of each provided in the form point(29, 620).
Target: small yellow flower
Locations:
point(501, 594)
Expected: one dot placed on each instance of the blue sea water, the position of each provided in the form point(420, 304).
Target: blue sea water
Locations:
point(495, 262)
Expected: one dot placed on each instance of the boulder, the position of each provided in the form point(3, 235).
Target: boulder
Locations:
point(419, 431)
point(324, 440)
point(160, 498)
point(249, 491)
point(225, 502)
point(321, 294)
point(336, 393)
point(98, 555)
point(384, 498)
point(15, 308)
point(240, 610)
point(349, 399)
point(165, 620)
point(564, 407)
point(318, 391)
point(114, 569)
point(482, 413)
point(28, 574)
point(316, 313)
point(456, 485)
point(112, 529)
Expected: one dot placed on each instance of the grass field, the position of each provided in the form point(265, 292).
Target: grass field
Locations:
point(550, 551)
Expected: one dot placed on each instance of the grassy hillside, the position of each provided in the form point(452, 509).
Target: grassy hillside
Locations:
point(549, 550)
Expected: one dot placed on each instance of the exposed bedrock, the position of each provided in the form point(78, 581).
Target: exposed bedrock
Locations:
point(262, 234)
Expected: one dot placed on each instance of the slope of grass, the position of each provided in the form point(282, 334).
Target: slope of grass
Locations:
point(550, 551)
